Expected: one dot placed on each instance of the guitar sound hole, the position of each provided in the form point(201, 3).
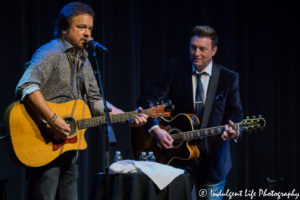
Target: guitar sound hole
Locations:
point(178, 140)
point(72, 123)
point(176, 144)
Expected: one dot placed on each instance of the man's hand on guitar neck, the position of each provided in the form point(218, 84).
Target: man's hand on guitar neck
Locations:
point(163, 137)
point(230, 132)
point(139, 119)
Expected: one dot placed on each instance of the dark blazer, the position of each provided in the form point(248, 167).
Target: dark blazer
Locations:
point(176, 84)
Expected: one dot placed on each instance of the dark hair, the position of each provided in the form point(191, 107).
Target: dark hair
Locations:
point(206, 31)
point(70, 10)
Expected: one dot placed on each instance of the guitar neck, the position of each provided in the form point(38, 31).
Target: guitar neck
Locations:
point(248, 125)
point(198, 134)
point(97, 121)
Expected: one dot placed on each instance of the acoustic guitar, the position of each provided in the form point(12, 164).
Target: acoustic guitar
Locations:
point(182, 130)
point(31, 142)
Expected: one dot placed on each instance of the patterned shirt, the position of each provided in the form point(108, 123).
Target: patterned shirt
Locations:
point(60, 77)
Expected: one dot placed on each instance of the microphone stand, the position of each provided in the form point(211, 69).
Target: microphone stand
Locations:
point(109, 133)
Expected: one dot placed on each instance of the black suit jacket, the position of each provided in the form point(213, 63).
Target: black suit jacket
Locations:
point(176, 84)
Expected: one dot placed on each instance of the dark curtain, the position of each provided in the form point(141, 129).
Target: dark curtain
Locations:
point(258, 39)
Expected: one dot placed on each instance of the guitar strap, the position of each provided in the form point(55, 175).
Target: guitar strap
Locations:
point(211, 92)
point(86, 92)
point(79, 64)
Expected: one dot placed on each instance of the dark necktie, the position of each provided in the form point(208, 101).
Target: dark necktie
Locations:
point(202, 144)
point(199, 97)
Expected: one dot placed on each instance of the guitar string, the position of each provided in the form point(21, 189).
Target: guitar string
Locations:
point(202, 132)
point(121, 117)
point(83, 123)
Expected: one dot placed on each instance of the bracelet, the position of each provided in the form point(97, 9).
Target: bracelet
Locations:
point(52, 120)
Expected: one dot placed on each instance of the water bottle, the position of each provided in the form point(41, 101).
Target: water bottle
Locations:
point(151, 156)
point(143, 157)
point(118, 156)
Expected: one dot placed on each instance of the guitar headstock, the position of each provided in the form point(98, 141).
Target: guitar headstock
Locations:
point(252, 124)
point(162, 110)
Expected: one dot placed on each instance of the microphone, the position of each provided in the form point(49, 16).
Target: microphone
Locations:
point(91, 42)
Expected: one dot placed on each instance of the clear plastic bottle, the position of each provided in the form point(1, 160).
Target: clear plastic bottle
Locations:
point(143, 157)
point(151, 156)
point(118, 156)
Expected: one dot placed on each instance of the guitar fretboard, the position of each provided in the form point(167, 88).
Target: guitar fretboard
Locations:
point(96, 121)
point(198, 134)
point(246, 125)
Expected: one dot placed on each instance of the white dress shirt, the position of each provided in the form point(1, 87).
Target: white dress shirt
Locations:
point(204, 80)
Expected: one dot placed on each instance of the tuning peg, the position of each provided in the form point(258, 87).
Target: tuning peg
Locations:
point(173, 107)
point(260, 116)
point(247, 117)
point(170, 107)
point(253, 116)
point(168, 102)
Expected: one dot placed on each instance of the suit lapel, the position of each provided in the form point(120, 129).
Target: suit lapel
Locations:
point(211, 93)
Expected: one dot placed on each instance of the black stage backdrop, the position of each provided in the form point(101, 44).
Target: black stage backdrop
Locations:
point(258, 39)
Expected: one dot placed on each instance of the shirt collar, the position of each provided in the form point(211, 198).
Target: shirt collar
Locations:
point(67, 47)
point(207, 70)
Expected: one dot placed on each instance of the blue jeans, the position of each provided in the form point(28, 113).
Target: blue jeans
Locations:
point(58, 181)
point(210, 191)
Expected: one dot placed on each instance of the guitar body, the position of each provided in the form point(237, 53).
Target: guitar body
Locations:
point(29, 139)
point(143, 141)
point(182, 130)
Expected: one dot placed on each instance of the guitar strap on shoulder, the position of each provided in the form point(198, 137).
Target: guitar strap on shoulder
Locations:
point(86, 92)
point(80, 68)
point(211, 92)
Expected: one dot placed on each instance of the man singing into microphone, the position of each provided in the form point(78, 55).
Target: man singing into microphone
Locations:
point(58, 72)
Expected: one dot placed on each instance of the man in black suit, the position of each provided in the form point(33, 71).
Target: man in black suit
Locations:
point(214, 97)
